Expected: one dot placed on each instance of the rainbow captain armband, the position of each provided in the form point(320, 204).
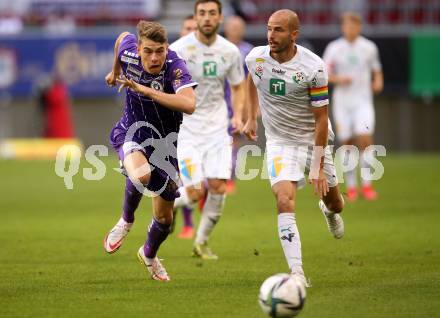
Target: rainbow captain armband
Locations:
point(318, 94)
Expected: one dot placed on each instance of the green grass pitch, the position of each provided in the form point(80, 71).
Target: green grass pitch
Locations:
point(53, 263)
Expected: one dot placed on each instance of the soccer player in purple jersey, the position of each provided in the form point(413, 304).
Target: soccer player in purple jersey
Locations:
point(159, 90)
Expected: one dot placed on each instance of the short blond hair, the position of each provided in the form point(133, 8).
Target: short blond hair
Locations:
point(352, 17)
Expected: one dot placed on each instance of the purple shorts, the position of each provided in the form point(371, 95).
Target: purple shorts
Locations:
point(163, 183)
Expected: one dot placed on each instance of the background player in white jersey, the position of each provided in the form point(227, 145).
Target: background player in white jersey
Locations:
point(290, 84)
point(187, 232)
point(205, 150)
point(356, 72)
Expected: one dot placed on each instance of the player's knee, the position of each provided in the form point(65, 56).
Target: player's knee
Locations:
point(336, 206)
point(217, 187)
point(144, 179)
point(284, 203)
point(195, 194)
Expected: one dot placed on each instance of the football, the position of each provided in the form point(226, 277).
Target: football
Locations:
point(282, 296)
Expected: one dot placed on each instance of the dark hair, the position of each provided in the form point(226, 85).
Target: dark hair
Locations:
point(219, 4)
point(153, 31)
point(189, 17)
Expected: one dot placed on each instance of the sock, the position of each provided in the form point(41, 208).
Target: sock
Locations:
point(131, 201)
point(157, 233)
point(183, 199)
point(234, 160)
point(210, 216)
point(363, 164)
point(187, 213)
point(351, 178)
point(290, 240)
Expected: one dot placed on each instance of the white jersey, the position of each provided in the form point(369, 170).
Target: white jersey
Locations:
point(356, 60)
point(209, 66)
point(287, 92)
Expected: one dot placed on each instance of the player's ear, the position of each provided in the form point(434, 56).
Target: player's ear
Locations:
point(294, 35)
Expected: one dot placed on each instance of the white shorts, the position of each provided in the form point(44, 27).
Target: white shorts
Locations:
point(353, 121)
point(204, 158)
point(290, 163)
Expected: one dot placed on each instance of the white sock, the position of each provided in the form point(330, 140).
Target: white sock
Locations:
point(183, 199)
point(290, 240)
point(122, 222)
point(363, 164)
point(351, 178)
point(210, 216)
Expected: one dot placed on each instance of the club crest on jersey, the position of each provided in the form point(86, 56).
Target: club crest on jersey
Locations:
point(298, 77)
point(259, 67)
point(156, 85)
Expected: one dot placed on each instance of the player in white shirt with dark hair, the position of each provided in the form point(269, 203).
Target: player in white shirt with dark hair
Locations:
point(204, 145)
point(289, 82)
point(355, 71)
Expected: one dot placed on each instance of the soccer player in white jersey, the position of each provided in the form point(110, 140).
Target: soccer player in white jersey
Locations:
point(289, 83)
point(204, 145)
point(356, 73)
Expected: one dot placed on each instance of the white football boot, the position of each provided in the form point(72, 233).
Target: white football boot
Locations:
point(334, 221)
point(154, 266)
point(113, 240)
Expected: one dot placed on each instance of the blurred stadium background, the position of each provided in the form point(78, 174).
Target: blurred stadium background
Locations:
point(51, 260)
point(73, 40)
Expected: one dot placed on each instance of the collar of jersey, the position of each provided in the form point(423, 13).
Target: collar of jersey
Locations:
point(293, 59)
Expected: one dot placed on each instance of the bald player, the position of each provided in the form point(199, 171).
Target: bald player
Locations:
point(289, 83)
point(356, 73)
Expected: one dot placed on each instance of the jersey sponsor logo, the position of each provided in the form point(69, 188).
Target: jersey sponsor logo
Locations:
point(209, 68)
point(132, 54)
point(277, 87)
point(129, 60)
point(278, 71)
point(156, 85)
point(298, 77)
point(133, 70)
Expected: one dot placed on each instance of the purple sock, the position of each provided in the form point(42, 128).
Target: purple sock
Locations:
point(131, 201)
point(187, 219)
point(157, 233)
point(234, 158)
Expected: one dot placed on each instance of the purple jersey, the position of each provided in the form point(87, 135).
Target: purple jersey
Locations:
point(148, 126)
point(173, 76)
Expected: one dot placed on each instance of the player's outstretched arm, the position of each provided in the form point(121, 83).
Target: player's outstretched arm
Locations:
point(250, 128)
point(238, 98)
point(111, 77)
point(317, 176)
point(183, 101)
